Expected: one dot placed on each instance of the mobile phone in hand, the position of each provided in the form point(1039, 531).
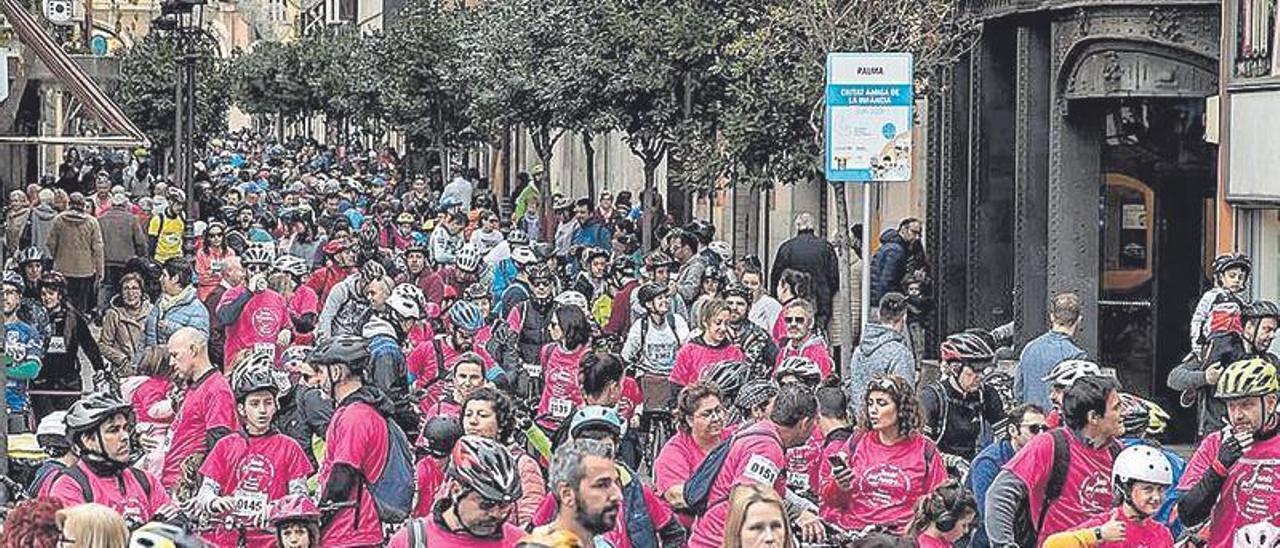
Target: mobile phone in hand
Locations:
point(838, 465)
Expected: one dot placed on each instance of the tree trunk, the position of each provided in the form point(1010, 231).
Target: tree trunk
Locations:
point(590, 148)
point(647, 201)
point(853, 327)
point(544, 141)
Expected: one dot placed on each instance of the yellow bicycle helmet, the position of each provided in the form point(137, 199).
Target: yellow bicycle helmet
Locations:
point(545, 537)
point(1246, 378)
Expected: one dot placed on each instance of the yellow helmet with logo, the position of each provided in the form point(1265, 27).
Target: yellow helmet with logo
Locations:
point(1248, 377)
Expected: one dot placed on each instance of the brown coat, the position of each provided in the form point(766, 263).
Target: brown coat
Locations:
point(122, 334)
point(75, 243)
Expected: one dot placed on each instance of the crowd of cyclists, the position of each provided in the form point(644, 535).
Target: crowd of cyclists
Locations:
point(353, 357)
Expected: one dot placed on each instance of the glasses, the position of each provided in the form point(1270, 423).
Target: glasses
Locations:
point(215, 234)
point(711, 413)
point(541, 283)
point(1036, 428)
point(257, 268)
point(487, 505)
point(796, 319)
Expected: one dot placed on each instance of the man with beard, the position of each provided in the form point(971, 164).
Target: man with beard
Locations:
point(586, 485)
point(755, 343)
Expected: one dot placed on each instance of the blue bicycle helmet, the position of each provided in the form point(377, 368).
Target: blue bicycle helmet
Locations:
point(466, 316)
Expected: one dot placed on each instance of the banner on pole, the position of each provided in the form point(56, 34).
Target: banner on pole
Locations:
point(869, 100)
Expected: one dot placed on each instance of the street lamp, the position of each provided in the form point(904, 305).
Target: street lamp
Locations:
point(183, 20)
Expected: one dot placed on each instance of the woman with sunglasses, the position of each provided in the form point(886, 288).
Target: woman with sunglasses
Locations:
point(886, 466)
point(561, 359)
point(211, 252)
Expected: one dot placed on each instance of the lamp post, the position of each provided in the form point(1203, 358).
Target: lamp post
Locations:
point(184, 21)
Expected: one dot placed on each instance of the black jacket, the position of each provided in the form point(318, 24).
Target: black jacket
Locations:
point(304, 412)
point(888, 265)
point(814, 256)
point(69, 331)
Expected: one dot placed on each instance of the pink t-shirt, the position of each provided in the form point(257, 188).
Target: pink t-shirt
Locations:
point(424, 368)
point(1086, 492)
point(353, 441)
point(260, 322)
point(676, 462)
point(887, 481)
point(304, 301)
point(443, 408)
point(256, 470)
point(801, 460)
point(437, 535)
point(814, 348)
point(926, 541)
point(429, 475)
point(133, 502)
point(659, 513)
point(755, 457)
point(1249, 494)
point(207, 404)
point(562, 391)
point(1147, 533)
point(152, 391)
point(820, 468)
point(696, 356)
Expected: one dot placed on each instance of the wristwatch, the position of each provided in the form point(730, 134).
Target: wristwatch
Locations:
point(1097, 533)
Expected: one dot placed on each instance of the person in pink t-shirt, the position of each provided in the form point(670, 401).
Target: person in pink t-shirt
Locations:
point(1140, 476)
point(756, 456)
point(208, 408)
point(99, 427)
point(944, 516)
point(490, 413)
point(1229, 481)
point(561, 360)
point(355, 450)
point(713, 345)
point(699, 427)
point(1092, 411)
point(249, 469)
point(483, 488)
point(303, 302)
point(887, 466)
point(255, 314)
point(468, 375)
point(434, 445)
point(430, 362)
point(801, 340)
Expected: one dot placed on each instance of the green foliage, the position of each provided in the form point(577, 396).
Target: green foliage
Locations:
point(147, 89)
point(418, 66)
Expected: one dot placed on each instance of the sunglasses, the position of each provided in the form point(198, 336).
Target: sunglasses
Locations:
point(257, 268)
point(487, 505)
point(541, 283)
point(1036, 428)
point(215, 234)
point(796, 319)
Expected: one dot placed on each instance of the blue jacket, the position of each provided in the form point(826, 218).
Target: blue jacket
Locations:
point(1037, 360)
point(888, 265)
point(593, 234)
point(981, 473)
point(188, 312)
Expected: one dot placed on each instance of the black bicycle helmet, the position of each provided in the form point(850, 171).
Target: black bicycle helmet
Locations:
point(486, 467)
point(252, 380)
point(439, 435)
point(1262, 309)
point(755, 393)
point(728, 376)
point(659, 259)
point(1228, 261)
point(92, 410)
point(348, 350)
point(649, 292)
point(801, 368)
point(622, 267)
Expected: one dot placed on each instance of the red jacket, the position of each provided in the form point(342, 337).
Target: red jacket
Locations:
point(323, 280)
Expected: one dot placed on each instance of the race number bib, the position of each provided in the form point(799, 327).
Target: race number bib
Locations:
point(560, 408)
point(761, 470)
point(265, 349)
point(533, 369)
point(57, 345)
point(249, 504)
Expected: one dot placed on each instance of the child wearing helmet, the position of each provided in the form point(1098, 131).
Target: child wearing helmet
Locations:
point(246, 471)
point(1145, 420)
point(296, 520)
point(1139, 478)
point(1216, 324)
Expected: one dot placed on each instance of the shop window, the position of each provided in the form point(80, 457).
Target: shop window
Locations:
point(1127, 233)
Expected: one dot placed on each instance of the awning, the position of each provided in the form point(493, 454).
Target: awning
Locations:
point(120, 132)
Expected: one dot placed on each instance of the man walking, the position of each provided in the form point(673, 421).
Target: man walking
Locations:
point(889, 266)
point(75, 242)
point(1047, 350)
point(122, 239)
point(883, 350)
point(816, 257)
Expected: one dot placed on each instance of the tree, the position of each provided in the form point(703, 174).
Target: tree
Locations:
point(147, 89)
point(773, 113)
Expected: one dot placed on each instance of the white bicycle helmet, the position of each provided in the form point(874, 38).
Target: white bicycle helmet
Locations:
point(1067, 372)
point(721, 248)
point(411, 292)
point(258, 254)
point(468, 259)
point(291, 265)
point(1257, 535)
point(573, 298)
point(404, 306)
point(1141, 463)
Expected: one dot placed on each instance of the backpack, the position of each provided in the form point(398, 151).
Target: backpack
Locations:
point(393, 490)
point(639, 527)
point(1058, 472)
point(417, 533)
point(697, 490)
point(86, 491)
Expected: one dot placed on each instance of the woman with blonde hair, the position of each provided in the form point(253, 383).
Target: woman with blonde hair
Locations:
point(92, 526)
point(757, 518)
